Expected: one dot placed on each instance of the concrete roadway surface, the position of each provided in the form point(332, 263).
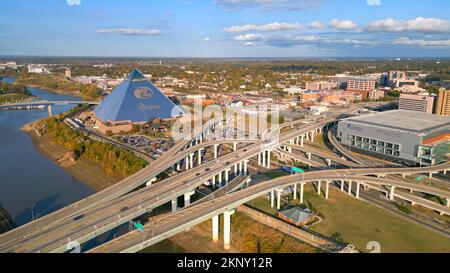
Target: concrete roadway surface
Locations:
point(123, 187)
point(189, 217)
point(109, 215)
point(78, 208)
point(181, 185)
point(162, 193)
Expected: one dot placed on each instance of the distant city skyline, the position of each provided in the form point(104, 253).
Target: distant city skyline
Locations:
point(225, 28)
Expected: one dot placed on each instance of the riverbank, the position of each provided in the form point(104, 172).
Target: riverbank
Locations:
point(83, 170)
point(60, 85)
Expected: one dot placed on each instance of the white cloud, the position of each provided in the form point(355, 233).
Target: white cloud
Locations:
point(207, 39)
point(374, 2)
point(130, 31)
point(420, 24)
point(316, 25)
point(249, 44)
point(249, 37)
point(73, 2)
point(276, 26)
point(269, 5)
point(289, 41)
point(343, 24)
point(421, 42)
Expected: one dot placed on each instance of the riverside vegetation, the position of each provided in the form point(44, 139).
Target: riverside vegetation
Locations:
point(115, 161)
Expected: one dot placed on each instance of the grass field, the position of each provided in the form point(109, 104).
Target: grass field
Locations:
point(360, 223)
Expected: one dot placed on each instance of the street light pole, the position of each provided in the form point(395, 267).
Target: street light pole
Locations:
point(32, 213)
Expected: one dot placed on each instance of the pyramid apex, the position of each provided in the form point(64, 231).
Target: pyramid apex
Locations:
point(136, 74)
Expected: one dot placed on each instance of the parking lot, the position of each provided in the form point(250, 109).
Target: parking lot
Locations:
point(154, 148)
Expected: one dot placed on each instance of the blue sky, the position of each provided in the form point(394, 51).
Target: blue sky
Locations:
point(226, 28)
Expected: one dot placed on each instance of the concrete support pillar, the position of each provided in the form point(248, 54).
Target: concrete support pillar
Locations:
point(302, 189)
point(220, 179)
point(246, 167)
point(50, 112)
point(259, 159)
point(268, 159)
point(174, 205)
point(235, 146)
point(392, 193)
point(279, 191)
point(236, 169)
point(187, 163)
point(191, 159)
point(272, 199)
point(200, 157)
point(295, 192)
point(328, 162)
point(308, 155)
point(213, 181)
point(215, 229)
point(327, 190)
point(241, 167)
point(227, 229)
point(216, 151)
point(448, 203)
point(312, 136)
point(227, 176)
point(430, 175)
point(264, 159)
point(358, 185)
point(187, 198)
point(319, 186)
point(342, 185)
point(302, 140)
point(349, 187)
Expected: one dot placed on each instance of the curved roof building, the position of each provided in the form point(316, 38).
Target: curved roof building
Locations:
point(136, 100)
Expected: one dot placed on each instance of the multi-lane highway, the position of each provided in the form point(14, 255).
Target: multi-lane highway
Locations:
point(108, 216)
point(182, 220)
point(159, 194)
point(111, 208)
point(123, 187)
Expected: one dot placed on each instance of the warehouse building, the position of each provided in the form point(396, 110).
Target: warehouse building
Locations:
point(401, 136)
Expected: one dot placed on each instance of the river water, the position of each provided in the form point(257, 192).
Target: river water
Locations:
point(32, 185)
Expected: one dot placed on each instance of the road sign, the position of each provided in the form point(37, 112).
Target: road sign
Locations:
point(139, 226)
point(297, 170)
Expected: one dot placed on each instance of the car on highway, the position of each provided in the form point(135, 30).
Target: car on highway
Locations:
point(122, 210)
point(79, 217)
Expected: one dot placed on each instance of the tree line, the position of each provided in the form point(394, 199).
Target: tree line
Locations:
point(115, 161)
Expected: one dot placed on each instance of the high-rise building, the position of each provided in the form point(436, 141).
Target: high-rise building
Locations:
point(443, 102)
point(396, 75)
point(321, 85)
point(420, 103)
point(361, 84)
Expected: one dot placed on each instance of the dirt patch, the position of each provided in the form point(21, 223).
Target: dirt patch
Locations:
point(247, 236)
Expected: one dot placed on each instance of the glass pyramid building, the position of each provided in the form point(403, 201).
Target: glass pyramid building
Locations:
point(137, 100)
